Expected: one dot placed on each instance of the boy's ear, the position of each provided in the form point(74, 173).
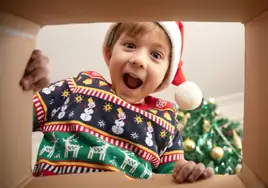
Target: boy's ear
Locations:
point(107, 53)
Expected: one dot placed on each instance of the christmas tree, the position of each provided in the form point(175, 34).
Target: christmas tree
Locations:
point(211, 139)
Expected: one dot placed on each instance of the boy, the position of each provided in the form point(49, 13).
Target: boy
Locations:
point(90, 125)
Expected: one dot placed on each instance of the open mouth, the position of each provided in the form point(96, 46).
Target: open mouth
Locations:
point(131, 81)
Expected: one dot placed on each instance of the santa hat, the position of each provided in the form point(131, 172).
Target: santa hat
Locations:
point(188, 95)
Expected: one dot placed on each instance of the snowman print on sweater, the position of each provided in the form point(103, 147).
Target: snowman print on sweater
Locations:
point(149, 135)
point(87, 114)
point(118, 128)
point(64, 108)
point(51, 88)
point(61, 109)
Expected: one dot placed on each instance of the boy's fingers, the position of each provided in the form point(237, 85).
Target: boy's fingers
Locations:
point(207, 174)
point(36, 53)
point(40, 61)
point(31, 79)
point(41, 84)
point(26, 83)
point(36, 72)
point(39, 73)
point(198, 170)
point(185, 171)
point(178, 166)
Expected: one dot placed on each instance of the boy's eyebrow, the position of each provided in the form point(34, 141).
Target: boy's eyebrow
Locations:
point(156, 44)
point(159, 45)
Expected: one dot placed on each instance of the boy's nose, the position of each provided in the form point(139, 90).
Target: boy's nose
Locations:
point(138, 61)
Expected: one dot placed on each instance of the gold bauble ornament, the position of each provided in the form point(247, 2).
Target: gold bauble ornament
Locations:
point(217, 112)
point(206, 126)
point(217, 153)
point(189, 145)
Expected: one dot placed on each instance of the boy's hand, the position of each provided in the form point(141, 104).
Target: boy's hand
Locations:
point(36, 72)
point(188, 171)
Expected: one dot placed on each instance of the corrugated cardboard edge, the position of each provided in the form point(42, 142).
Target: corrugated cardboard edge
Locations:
point(85, 11)
point(17, 37)
point(8, 20)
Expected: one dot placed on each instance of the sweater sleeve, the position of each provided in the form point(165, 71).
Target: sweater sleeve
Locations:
point(48, 100)
point(173, 153)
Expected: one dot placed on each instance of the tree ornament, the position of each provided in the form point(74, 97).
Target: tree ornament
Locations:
point(211, 101)
point(217, 112)
point(189, 145)
point(229, 133)
point(181, 114)
point(237, 140)
point(185, 118)
point(238, 168)
point(217, 153)
point(206, 126)
point(180, 126)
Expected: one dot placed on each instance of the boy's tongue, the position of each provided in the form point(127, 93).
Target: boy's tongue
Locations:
point(132, 82)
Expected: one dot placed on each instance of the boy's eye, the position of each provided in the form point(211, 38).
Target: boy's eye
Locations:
point(156, 55)
point(130, 45)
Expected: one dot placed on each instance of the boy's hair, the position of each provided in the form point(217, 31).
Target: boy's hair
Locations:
point(133, 29)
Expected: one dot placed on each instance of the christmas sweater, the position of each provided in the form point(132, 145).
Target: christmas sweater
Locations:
point(88, 128)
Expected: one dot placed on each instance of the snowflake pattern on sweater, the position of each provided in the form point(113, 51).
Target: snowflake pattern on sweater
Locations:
point(88, 128)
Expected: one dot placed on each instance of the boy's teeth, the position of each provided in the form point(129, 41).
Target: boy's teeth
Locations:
point(134, 76)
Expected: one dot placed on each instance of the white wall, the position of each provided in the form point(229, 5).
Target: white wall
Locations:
point(213, 55)
point(232, 106)
point(72, 48)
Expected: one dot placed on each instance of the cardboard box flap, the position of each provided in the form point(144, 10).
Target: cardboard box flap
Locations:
point(16, 26)
point(117, 180)
point(17, 40)
point(249, 178)
point(70, 11)
point(255, 149)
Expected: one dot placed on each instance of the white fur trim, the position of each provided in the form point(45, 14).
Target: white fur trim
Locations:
point(106, 39)
point(174, 33)
point(188, 96)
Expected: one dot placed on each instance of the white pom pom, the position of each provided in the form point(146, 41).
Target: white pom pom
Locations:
point(188, 96)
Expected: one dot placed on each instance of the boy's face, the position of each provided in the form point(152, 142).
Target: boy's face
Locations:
point(139, 64)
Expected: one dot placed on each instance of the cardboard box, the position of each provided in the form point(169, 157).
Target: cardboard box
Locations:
point(19, 25)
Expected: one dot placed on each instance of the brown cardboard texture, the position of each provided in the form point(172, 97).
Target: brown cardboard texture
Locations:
point(19, 25)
